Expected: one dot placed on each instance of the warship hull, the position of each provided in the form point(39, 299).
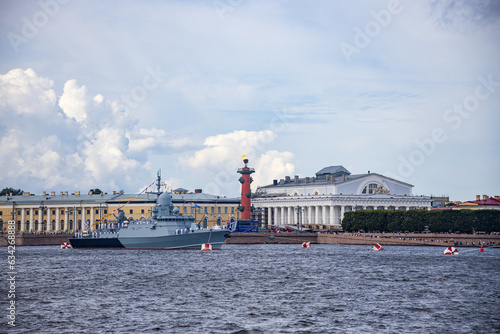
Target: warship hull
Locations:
point(183, 241)
point(95, 243)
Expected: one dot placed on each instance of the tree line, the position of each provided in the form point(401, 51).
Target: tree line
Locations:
point(435, 221)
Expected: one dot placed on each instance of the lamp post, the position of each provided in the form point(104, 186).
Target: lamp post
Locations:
point(42, 210)
point(298, 209)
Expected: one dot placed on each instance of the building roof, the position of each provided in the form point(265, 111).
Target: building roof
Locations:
point(333, 171)
point(482, 202)
point(112, 198)
point(293, 182)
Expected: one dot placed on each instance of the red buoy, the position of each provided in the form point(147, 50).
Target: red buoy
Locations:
point(206, 247)
point(481, 249)
point(65, 245)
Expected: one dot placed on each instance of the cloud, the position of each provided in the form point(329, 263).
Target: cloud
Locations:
point(88, 142)
point(22, 92)
point(74, 101)
point(221, 157)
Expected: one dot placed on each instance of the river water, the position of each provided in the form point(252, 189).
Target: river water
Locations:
point(256, 289)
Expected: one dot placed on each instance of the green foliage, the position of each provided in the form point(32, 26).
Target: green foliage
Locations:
point(464, 221)
point(8, 191)
point(95, 191)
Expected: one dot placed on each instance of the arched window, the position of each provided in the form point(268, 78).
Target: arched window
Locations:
point(53, 228)
point(205, 222)
point(369, 189)
point(219, 221)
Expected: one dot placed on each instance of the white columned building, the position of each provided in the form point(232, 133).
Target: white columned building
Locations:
point(325, 198)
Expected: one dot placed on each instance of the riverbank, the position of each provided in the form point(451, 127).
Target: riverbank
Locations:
point(387, 239)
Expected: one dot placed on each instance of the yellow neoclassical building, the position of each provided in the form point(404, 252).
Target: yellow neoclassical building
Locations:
point(63, 212)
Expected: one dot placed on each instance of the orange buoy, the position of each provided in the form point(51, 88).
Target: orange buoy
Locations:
point(206, 247)
point(65, 245)
point(481, 249)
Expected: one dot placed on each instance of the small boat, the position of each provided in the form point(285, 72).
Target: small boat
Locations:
point(450, 251)
point(377, 247)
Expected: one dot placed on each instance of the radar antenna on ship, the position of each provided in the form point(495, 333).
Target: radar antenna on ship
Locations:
point(158, 191)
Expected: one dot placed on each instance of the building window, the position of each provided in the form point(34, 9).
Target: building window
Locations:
point(225, 209)
point(218, 209)
point(142, 211)
point(27, 212)
point(105, 211)
point(79, 212)
point(219, 221)
point(205, 210)
point(185, 210)
point(1, 213)
point(131, 211)
point(212, 209)
point(53, 225)
point(96, 211)
point(19, 212)
point(88, 212)
point(370, 188)
point(62, 212)
point(71, 224)
point(232, 210)
point(53, 212)
point(205, 222)
point(19, 225)
point(36, 212)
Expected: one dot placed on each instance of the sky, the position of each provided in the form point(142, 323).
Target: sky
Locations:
point(103, 94)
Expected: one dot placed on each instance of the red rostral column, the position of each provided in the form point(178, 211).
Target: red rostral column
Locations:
point(246, 192)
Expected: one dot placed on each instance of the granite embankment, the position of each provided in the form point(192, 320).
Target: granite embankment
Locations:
point(388, 239)
point(36, 239)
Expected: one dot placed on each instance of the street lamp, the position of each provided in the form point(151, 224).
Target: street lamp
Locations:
point(42, 208)
point(299, 211)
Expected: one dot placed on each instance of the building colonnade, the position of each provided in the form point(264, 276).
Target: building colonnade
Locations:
point(325, 212)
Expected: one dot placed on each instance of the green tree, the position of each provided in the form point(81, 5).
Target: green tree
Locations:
point(95, 191)
point(8, 191)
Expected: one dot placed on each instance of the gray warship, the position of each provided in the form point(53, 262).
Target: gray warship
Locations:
point(166, 229)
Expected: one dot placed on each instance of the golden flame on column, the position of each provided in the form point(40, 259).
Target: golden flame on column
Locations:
point(243, 157)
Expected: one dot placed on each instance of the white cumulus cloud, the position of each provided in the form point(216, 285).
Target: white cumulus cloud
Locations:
point(222, 154)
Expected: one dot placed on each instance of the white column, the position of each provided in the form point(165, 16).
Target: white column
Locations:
point(66, 220)
point(316, 216)
point(83, 218)
point(58, 223)
point(309, 214)
point(49, 224)
point(269, 217)
point(30, 228)
point(276, 215)
point(323, 215)
point(342, 211)
point(92, 219)
point(331, 215)
point(40, 219)
point(23, 218)
point(289, 215)
point(282, 209)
